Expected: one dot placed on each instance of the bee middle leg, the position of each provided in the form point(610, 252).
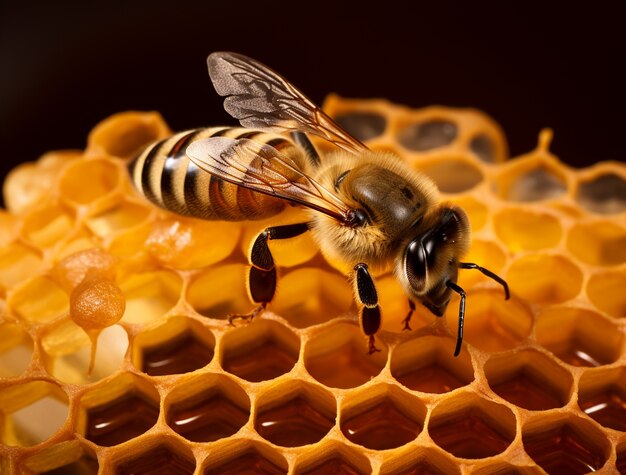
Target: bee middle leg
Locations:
point(262, 276)
point(368, 297)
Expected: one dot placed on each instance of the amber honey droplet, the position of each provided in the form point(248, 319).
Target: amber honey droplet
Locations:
point(336, 466)
point(562, 451)
point(181, 354)
point(97, 303)
point(265, 362)
point(607, 408)
point(249, 463)
point(469, 437)
point(433, 378)
point(121, 419)
point(159, 461)
point(523, 391)
point(294, 423)
point(381, 427)
point(83, 466)
point(207, 419)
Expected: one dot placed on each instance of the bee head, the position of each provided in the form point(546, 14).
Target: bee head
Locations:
point(431, 258)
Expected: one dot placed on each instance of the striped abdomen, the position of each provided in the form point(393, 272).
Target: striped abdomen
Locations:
point(164, 175)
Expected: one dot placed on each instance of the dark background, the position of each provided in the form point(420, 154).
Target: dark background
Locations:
point(65, 66)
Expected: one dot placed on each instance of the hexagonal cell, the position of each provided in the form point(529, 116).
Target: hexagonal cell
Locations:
point(332, 458)
point(125, 134)
point(517, 228)
point(489, 255)
point(420, 461)
point(246, 458)
point(472, 427)
point(492, 323)
point(159, 458)
point(180, 345)
point(33, 412)
point(504, 468)
point(423, 136)
point(606, 291)
point(83, 466)
point(602, 396)
point(309, 296)
point(452, 175)
point(17, 263)
point(483, 147)
point(362, 125)
point(104, 175)
point(295, 413)
point(533, 180)
point(563, 443)
point(260, 351)
point(232, 297)
point(63, 458)
point(426, 364)
point(337, 357)
point(39, 300)
point(124, 216)
point(529, 379)
point(46, 226)
point(150, 295)
point(600, 243)
point(604, 194)
point(16, 350)
point(545, 279)
point(621, 459)
point(118, 411)
point(477, 212)
point(578, 336)
point(207, 408)
point(382, 417)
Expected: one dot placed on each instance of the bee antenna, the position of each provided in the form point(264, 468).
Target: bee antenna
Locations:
point(488, 273)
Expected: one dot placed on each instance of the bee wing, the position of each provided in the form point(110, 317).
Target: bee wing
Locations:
point(262, 168)
point(260, 98)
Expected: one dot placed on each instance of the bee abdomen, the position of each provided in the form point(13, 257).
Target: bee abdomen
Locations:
point(164, 175)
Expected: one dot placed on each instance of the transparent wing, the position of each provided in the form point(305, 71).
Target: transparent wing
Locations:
point(262, 168)
point(260, 98)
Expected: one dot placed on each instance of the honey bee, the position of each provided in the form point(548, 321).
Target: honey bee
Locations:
point(365, 209)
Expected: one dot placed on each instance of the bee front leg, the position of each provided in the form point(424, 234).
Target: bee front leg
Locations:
point(262, 276)
point(368, 297)
point(407, 319)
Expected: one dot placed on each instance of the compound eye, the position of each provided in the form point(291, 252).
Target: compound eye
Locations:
point(415, 265)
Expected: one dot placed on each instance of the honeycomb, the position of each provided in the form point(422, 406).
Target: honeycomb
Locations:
point(116, 355)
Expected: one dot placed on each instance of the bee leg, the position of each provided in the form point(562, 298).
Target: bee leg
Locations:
point(262, 277)
point(488, 273)
point(459, 339)
point(368, 297)
point(407, 319)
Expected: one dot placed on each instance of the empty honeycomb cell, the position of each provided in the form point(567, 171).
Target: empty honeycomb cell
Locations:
point(332, 458)
point(16, 349)
point(564, 443)
point(337, 357)
point(483, 147)
point(260, 351)
point(606, 291)
point(82, 466)
point(150, 295)
point(518, 229)
point(602, 396)
point(219, 291)
point(600, 243)
point(578, 336)
point(46, 226)
point(186, 243)
point(477, 212)
point(17, 263)
point(425, 364)
point(179, 345)
point(423, 136)
point(603, 194)
point(452, 175)
point(533, 177)
point(362, 125)
point(294, 414)
point(118, 411)
point(382, 417)
point(545, 279)
point(529, 379)
point(24, 405)
point(420, 460)
point(308, 296)
point(207, 408)
point(158, 457)
point(472, 427)
point(488, 254)
point(125, 216)
point(125, 134)
point(75, 366)
point(63, 458)
point(105, 178)
point(492, 323)
point(245, 458)
point(39, 300)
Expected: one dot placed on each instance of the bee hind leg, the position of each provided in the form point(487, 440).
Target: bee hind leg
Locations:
point(368, 297)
